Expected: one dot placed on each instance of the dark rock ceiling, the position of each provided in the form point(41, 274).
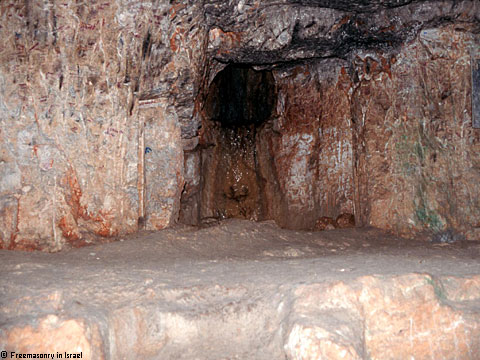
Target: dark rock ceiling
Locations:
point(278, 31)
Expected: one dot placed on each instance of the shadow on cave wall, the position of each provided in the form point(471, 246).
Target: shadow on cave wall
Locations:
point(240, 100)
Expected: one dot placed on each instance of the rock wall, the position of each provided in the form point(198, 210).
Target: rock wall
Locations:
point(383, 128)
point(306, 152)
point(239, 101)
point(100, 113)
point(94, 100)
point(386, 136)
point(417, 153)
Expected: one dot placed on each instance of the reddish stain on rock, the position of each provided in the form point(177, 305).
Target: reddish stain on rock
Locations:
point(69, 231)
point(325, 223)
point(173, 41)
point(53, 334)
point(78, 210)
point(345, 221)
point(105, 226)
point(24, 245)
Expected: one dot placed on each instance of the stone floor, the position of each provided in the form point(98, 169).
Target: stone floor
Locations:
point(244, 290)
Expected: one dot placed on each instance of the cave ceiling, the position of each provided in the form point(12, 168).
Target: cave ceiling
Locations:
point(283, 31)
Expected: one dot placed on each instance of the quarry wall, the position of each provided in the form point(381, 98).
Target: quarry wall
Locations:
point(101, 113)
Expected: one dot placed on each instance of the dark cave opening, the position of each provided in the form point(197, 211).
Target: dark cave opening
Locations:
point(240, 97)
point(239, 101)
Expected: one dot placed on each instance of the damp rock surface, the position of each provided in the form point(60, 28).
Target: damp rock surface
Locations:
point(240, 101)
point(102, 110)
point(246, 290)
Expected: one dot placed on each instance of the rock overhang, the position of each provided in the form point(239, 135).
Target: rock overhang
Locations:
point(275, 32)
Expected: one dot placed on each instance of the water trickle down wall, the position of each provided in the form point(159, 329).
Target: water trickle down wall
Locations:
point(240, 100)
point(374, 115)
point(98, 129)
point(276, 144)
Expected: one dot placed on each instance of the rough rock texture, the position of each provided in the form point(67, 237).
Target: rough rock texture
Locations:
point(306, 152)
point(382, 129)
point(93, 100)
point(297, 166)
point(269, 32)
point(101, 105)
point(385, 136)
point(246, 290)
point(416, 150)
point(53, 335)
point(230, 185)
point(377, 318)
point(239, 100)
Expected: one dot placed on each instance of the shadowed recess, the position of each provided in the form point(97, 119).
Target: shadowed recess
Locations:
point(240, 96)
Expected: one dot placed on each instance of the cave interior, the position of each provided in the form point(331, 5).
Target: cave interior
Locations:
point(293, 179)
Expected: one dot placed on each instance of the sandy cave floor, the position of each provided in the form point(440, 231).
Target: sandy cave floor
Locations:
point(186, 269)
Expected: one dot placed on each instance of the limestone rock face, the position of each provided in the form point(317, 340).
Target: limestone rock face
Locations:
point(380, 129)
point(306, 153)
point(94, 99)
point(269, 32)
point(374, 318)
point(100, 104)
point(369, 317)
point(387, 137)
point(54, 335)
point(415, 146)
